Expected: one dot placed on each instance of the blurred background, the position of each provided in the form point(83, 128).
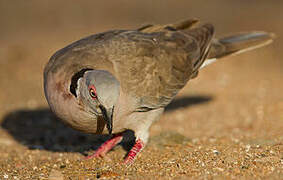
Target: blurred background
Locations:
point(240, 96)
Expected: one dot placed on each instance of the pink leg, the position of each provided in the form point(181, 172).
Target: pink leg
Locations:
point(107, 146)
point(134, 151)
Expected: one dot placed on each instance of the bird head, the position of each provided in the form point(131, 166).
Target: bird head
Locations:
point(98, 92)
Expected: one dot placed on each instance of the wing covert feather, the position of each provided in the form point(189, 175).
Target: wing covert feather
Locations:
point(156, 66)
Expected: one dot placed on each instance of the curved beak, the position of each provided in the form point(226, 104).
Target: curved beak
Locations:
point(108, 117)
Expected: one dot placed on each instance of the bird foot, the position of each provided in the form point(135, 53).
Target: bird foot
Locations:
point(107, 146)
point(139, 145)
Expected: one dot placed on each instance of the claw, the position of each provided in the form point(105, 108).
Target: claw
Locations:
point(107, 146)
point(139, 145)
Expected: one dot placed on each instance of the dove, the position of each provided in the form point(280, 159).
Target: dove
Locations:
point(121, 80)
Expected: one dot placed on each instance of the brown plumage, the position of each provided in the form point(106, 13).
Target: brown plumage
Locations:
point(123, 79)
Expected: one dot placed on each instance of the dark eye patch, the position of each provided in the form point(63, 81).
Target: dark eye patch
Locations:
point(75, 78)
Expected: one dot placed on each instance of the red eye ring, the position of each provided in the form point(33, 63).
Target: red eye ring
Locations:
point(92, 92)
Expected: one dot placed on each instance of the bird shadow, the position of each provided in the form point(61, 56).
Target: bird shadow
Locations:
point(41, 129)
point(187, 101)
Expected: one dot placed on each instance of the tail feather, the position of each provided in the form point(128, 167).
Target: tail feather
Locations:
point(239, 43)
point(236, 44)
point(213, 49)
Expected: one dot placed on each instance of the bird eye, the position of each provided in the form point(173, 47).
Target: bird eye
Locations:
point(92, 92)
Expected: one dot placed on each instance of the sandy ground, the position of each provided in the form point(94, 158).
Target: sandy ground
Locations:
point(226, 124)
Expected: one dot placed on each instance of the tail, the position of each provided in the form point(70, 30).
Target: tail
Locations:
point(236, 44)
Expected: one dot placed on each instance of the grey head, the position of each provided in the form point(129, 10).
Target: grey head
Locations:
point(98, 92)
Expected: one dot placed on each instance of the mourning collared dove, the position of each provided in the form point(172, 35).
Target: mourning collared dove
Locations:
point(123, 79)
